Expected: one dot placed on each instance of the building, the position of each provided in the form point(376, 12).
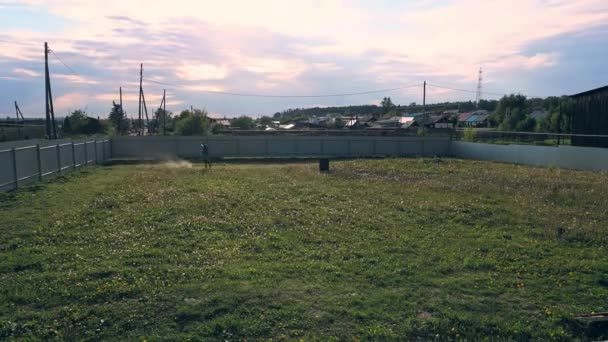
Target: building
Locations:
point(393, 122)
point(590, 117)
point(219, 120)
point(477, 120)
point(439, 121)
point(539, 114)
point(300, 126)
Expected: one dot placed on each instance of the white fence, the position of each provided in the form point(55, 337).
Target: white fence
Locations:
point(567, 157)
point(23, 163)
point(278, 146)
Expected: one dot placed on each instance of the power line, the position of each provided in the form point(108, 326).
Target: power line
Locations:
point(279, 96)
point(474, 92)
point(462, 90)
point(17, 43)
point(65, 65)
point(290, 96)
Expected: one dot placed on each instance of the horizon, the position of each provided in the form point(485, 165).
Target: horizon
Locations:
point(551, 48)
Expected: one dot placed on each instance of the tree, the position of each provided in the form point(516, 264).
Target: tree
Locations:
point(118, 118)
point(387, 105)
point(242, 122)
point(192, 123)
point(339, 123)
point(67, 128)
point(162, 118)
point(265, 121)
point(75, 122)
point(79, 123)
point(526, 125)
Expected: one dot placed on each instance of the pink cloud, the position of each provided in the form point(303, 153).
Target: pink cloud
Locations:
point(26, 72)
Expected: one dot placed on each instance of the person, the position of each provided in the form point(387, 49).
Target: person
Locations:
point(205, 154)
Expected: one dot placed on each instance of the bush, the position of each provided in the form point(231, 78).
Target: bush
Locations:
point(469, 134)
point(193, 123)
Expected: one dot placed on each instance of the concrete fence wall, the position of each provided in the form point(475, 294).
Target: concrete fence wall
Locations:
point(567, 157)
point(25, 162)
point(278, 146)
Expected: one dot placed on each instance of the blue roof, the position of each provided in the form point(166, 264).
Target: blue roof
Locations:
point(406, 115)
point(472, 118)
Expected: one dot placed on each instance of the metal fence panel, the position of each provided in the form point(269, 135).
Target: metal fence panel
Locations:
point(27, 165)
point(6, 171)
point(35, 159)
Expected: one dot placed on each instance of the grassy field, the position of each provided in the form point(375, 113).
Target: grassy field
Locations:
point(399, 249)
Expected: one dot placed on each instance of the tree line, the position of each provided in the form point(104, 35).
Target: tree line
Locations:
point(510, 113)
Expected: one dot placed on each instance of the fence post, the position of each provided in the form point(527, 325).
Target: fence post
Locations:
point(15, 174)
point(95, 145)
point(103, 152)
point(39, 162)
point(86, 154)
point(374, 146)
point(59, 159)
point(348, 149)
point(422, 139)
point(323, 146)
point(73, 156)
point(296, 147)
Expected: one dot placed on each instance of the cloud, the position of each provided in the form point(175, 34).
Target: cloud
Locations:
point(69, 102)
point(26, 72)
point(199, 88)
point(539, 60)
point(295, 47)
point(197, 72)
point(75, 79)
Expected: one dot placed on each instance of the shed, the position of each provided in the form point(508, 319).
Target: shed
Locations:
point(590, 117)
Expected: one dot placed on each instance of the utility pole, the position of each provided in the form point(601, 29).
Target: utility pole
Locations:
point(50, 112)
point(121, 111)
point(18, 112)
point(559, 122)
point(479, 88)
point(424, 107)
point(141, 75)
point(46, 90)
point(146, 112)
point(164, 111)
point(424, 98)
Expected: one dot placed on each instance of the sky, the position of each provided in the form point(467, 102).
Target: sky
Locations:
point(200, 50)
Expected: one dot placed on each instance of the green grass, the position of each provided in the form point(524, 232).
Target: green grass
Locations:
point(400, 249)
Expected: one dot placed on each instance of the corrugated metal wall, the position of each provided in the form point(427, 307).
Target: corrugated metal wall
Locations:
point(591, 117)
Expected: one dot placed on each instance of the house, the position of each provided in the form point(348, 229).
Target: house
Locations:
point(300, 125)
point(440, 121)
point(451, 112)
point(477, 120)
point(464, 119)
point(590, 117)
point(408, 119)
point(538, 114)
point(223, 122)
point(393, 122)
point(219, 120)
point(322, 120)
point(433, 121)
